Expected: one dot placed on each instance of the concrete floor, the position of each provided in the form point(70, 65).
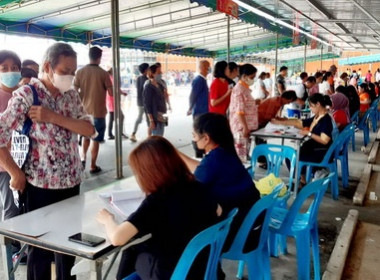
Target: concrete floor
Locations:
point(332, 213)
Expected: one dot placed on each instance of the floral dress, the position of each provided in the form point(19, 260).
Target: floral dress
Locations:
point(53, 162)
point(242, 104)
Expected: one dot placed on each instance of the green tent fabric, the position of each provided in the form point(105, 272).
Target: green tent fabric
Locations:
point(365, 59)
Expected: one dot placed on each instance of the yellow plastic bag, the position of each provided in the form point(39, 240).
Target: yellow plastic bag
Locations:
point(267, 184)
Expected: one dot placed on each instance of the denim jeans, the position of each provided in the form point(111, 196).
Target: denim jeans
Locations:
point(159, 130)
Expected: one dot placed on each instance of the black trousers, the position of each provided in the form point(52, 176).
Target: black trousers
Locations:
point(39, 260)
point(110, 123)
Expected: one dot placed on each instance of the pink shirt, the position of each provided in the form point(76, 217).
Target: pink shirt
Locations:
point(368, 77)
point(109, 100)
point(242, 103)
point(4, 98)
point(314, 89)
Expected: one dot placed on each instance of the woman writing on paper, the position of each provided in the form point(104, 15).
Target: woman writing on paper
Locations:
point(319, 130)
point(176, 208)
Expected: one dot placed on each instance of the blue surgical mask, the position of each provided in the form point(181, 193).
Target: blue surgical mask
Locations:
point(158, 77)
point(10, 79)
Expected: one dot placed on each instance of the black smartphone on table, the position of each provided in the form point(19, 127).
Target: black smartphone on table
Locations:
point(87, 239)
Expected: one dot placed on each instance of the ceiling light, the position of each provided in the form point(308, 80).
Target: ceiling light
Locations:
point(278, 21)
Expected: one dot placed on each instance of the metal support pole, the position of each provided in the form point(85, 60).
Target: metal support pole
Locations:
point(321, 57)
point(116, 88)
point(228, 39)
point(304, 58)
point(166, 63)
point(276, 58)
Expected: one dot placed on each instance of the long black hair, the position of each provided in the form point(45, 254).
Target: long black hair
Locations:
point(217, 127)
point(324, 100)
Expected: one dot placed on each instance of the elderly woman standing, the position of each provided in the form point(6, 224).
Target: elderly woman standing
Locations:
point(154, 102)
point(243, 111)
point(53, 168)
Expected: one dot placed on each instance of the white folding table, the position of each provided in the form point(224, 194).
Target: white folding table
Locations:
point(49, 227)
point(297, 138)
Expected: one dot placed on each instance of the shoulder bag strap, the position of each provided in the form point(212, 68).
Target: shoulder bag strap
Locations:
point(28, 122)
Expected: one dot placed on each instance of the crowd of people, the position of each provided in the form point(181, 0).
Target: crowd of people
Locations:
point(183, 195)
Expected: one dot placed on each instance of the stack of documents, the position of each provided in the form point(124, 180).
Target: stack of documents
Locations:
point(125, 202)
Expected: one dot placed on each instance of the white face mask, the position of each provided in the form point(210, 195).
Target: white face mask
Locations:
point(62, 82)
point(249, 81)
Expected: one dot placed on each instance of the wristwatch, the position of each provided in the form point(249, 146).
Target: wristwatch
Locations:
point(309, 134)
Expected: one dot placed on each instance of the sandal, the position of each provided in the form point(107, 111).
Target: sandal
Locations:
point(96, 170)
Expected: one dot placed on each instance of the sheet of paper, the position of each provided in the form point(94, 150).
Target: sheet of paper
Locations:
point(126, 195)
point(126, 207)
point(281, 129)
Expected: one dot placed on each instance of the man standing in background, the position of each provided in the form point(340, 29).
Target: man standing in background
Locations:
point(143, 68)
point(162, 82)
point(199, 97)
point(31, 64)
point(93, 83)
point(280, 85)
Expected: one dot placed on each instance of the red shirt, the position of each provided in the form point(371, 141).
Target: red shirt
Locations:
point(219, 88)
point(340, 118)
point(364, 97)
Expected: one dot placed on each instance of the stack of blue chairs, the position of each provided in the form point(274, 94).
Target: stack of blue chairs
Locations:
point(375, 115)
point(355, 121)
point(364, 125)
point(257, 260)
point(341, 152)
point(303, 226)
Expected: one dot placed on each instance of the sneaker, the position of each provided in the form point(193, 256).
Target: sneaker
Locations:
point(111, 137)
point(319, 174)
point(133, 138)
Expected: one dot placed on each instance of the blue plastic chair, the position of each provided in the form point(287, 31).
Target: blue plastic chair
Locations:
point(355, 121)
point(294, 113)
point(303, 226)
point(364, 125)
point(374, 114)
point(214, 237)
point(275, 156)
point(342, 153)
point(329, 162)
point(257, 260)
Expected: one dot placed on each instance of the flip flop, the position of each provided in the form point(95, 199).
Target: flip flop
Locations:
point(96, 170)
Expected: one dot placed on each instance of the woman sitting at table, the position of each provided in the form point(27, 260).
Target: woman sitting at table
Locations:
point(319, 130)
point(221, 169)
point(176, 208)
